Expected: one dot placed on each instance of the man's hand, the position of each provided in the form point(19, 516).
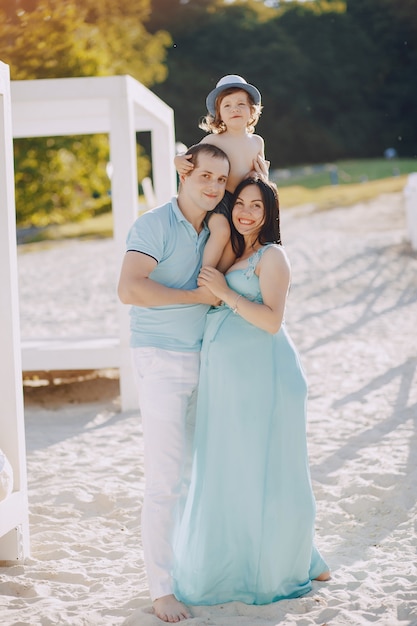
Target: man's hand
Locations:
point(205, 296)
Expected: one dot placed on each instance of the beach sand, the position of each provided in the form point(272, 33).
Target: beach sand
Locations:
point(352, 313)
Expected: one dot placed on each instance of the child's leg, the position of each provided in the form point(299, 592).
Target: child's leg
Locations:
point(219, 238)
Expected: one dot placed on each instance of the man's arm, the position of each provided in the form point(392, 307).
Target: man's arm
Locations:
point(136, 288)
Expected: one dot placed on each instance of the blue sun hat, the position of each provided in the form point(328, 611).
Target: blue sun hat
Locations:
point(231, 80)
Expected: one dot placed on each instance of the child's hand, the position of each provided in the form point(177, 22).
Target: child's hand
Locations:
point(182, 164)
point(261, 167)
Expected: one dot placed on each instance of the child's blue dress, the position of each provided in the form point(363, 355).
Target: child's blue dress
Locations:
point(248, 527)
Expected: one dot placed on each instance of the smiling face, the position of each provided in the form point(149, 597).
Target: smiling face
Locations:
point(235, 108)
point(204, 187)
point(248, 214)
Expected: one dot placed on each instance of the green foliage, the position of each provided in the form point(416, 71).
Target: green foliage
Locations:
point(55, 39)
point(205, 49)
point(63, 178)
point(392, 27)
point(337, 77)
point(47, 171)
point(179, 15)
point(50, 42)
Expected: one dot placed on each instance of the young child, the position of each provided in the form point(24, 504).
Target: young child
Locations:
point(233, 108)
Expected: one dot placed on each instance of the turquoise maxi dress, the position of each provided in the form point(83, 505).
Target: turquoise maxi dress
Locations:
point(248, 526)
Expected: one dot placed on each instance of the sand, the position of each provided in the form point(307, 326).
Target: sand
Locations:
point(352, 312)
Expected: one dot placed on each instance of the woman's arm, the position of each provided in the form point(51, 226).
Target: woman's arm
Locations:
point(274, 280)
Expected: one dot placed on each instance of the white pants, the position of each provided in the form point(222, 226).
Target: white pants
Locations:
point(167, 385)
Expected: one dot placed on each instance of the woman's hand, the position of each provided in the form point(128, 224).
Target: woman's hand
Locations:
point(260, 169)
point(214, 280)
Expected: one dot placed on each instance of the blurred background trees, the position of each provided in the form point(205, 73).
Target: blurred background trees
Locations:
point(337, 78)
point(61, 178)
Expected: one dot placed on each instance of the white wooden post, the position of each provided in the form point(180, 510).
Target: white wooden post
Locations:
point(163, 153)
point(410, 199)
point(14, 522)
point(124, 190)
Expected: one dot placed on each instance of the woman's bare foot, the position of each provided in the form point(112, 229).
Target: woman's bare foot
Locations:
point(169, 609)
point(323, 576)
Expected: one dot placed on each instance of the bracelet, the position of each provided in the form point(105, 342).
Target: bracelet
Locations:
point(235, 307)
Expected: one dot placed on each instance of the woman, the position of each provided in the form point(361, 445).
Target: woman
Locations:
point(247, 532)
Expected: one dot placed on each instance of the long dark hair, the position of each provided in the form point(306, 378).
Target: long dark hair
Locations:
point(270, 229)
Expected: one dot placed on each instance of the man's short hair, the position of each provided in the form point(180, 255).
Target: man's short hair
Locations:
point(206, 148)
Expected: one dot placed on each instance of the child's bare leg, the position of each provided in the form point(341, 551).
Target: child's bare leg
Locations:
point(219, 237)
point(171, 610)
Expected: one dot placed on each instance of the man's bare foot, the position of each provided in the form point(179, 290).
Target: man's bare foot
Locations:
point(324, 576)
point(169, 609)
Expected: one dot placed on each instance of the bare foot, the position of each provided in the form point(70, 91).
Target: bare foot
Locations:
point(169, 609)
point(323, 576)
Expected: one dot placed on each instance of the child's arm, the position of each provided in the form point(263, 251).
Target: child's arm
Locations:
point(228, 258)
point(218, 240)
point(182, 164)
point(260, 166)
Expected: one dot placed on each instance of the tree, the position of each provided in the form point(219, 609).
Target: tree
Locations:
point(66, 177)
point(179, 15)
point(337, 78)
point(392, 27)
point(262, 45)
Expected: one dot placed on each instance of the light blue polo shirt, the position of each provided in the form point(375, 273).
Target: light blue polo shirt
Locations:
point(166, 235)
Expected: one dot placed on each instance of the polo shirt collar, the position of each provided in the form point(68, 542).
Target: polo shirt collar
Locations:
point(180, 216)
point(177, 212)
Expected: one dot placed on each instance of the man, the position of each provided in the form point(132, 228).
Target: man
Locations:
point(159, 278)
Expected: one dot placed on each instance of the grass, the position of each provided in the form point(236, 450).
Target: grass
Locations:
point(347, 172)
point(358, 181)
point(93, 227)
point(97, 227)
point(331, 196)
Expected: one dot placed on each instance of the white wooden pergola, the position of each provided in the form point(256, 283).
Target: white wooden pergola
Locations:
point(14, 522)
point(119, 106)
